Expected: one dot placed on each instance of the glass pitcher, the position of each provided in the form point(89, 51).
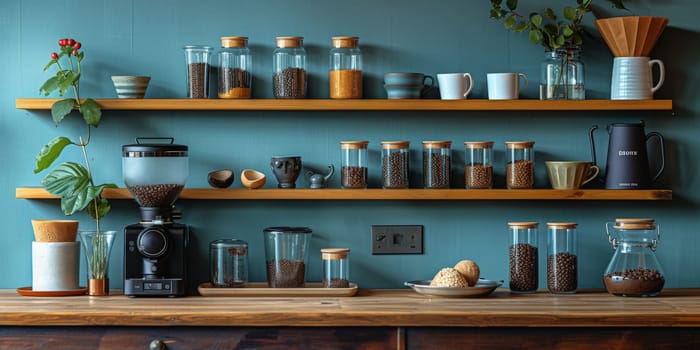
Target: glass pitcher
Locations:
point(634, 269)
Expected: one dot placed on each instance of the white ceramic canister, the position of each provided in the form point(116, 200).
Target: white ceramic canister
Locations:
point(55, 266)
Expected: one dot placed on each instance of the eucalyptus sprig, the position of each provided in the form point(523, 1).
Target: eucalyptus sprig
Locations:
point(548, 30)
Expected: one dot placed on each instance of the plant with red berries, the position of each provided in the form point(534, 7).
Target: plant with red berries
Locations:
point(71, 181)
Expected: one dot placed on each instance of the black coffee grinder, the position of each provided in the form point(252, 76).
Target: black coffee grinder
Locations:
point(155, 249)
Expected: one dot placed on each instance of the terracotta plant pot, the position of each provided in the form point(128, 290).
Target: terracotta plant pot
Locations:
point(46, 230)
point(631, 36)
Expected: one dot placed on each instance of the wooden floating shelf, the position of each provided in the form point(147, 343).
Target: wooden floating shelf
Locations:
point(382, 194)
point(359, 104)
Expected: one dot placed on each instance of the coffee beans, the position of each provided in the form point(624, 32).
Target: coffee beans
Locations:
point(285, 273)
point(436, 170)
point(478, 176)
point(156, 195)
point(353, 177)
point(562, 275)
point(395, 170)
point(523, 268)
point(197, 86)
point(345, 83)
point(289, 83)
point(234, 83)
point(520, 174)
point(634, 282)
point(335, 283)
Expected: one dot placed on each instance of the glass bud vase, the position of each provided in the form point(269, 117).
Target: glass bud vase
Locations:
point(562, 75)
point(97, 247)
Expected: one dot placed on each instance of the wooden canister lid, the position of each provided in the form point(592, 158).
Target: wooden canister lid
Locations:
point(523, 224)
point(289, 41)
point(334, 253)
point(519, 144)
point(478, 144)
point(635, 224)
point(344, 41)
point(395, 144)
point(561, 225)
point(234, 41)
point(436, 144)
point(353, 144)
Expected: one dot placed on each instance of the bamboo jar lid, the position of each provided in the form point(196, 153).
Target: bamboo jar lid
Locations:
point(234, 41)
point(436, 144)
point(635, 224)
point(395, 144)
point(478, 144)
point(289, 41)
point(334, 253)
point(345, 41)
point(519, 144)
point(523, 224)
point(353, 144)
point(562, 225)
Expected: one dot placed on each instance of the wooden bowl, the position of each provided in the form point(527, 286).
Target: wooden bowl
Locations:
point(221, 178)
point(46, 230)
point(252, 178)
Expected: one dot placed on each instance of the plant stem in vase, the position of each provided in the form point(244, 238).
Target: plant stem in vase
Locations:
point(97, 246)
point(562, 75)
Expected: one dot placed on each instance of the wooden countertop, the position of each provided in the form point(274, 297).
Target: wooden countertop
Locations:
point(400, 307)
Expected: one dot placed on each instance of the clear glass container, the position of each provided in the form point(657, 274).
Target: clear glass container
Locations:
point(395, 164)
point(286, 256)
point(235, 67)
point(228, 263)
point(336, 268)
point(436, 164)
point(520, 164)
point(562, 258)
point(197, 58)
point(155, 173)
point(353, 171)
point(478, 168)
point(634, 269)
point(562, 75)
point(289, 68)
point(523, 257)
point(345, 74)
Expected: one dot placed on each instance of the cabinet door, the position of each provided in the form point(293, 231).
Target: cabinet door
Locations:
point(176, 338)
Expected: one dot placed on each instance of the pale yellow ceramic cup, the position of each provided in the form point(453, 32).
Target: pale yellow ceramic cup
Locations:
point(571, 175)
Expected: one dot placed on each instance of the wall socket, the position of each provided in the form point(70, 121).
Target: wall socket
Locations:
point(397, 239)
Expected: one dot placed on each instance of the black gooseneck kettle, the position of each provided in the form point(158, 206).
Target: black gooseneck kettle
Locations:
point(632, 156)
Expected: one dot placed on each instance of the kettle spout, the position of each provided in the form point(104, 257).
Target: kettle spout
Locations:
point(331, 170)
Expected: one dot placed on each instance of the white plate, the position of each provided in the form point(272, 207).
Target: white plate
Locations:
point(482, 287)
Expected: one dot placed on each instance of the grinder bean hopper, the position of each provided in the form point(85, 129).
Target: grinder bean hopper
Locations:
point(155, 248)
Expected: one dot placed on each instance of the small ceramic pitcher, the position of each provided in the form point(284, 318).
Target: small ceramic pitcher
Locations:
point(632, 78)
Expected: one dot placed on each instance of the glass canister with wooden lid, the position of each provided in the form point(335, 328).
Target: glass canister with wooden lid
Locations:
point(523, 257)
point(336, 267)
point(235, 67)
point(395, 164)
point(562, 258)
point(353, 171)
point(345, 75)
point(437, 164)
point(478, 168)
point(520, 164)
point(289, 68)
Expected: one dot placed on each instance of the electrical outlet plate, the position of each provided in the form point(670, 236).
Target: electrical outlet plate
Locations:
point(397, 239)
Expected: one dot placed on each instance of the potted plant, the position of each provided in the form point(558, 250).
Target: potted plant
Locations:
point(562, 75)
point(71, 181)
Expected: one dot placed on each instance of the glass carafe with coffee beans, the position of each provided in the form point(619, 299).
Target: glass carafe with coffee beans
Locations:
point(634, 269)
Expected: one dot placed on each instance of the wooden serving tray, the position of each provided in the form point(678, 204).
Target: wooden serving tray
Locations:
point(260, 289)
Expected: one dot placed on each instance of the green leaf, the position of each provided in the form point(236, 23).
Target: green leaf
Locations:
point(496, 14)
point(66, 81)
point(559, 41)
point(103, 206)
point(521, 27)
point(61, 108)
point(567, 31)
point(496, 3)
point(577, 39)
point(570, 13)
point(51, 63)
point(509, 22)
point(512, 4)
point(536, 20)
point(48, 154)
point(70, 182)
point(550, 14)
point(49, 86)
point(535, 37)
point(92, 113)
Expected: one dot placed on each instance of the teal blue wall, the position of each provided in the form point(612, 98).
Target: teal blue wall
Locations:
point(146, 38)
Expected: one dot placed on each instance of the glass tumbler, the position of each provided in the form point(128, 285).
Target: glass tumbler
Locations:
point(286, 256)
point(197, 58)
point(228, 263)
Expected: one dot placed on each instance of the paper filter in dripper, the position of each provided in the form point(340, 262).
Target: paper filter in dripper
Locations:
point(632, 36)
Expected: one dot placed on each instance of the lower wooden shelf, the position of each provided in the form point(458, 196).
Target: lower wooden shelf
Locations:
point(382, 194)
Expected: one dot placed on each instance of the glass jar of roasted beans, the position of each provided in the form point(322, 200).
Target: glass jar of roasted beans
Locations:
point(634, 269)
point(395, 164)
point(520, 164)
point(436, 164)
point(235, 67)
point(289, 68)
point(197, 58)
point(562, 261)
point(345, 75)
point(353, 171)
point(336, 268)
point(523, 257)
point(478, 168)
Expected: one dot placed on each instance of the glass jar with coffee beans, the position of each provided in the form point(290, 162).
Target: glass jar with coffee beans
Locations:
point(478, 168)
point(228, 263)
point(562, 258)
point(353, 171)
point(235, 67)
point(336, 268)
point(345, 75)
point(634, 269)
point(289, 68)
point(395, 164)
point(436, 164)
point(197, 58)
point(523, 257)
point(520, 164)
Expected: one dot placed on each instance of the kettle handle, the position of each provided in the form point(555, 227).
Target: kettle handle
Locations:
point(662, 159)
point(593, 128)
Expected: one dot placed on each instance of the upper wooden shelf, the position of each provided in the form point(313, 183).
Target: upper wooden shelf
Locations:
point(382, 194)
point(359, 105)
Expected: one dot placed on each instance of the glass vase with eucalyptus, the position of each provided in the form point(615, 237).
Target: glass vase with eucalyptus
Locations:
point(562, 75)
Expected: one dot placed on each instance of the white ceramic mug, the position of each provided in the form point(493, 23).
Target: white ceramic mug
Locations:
point(505, 86)
point(55, 266)
point(455, 86)
point(632, 78)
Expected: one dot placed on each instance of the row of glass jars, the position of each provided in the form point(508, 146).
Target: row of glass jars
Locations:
point(289, 80)
point(520, 170)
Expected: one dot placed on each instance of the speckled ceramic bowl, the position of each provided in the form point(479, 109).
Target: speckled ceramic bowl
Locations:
point(129, 86)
